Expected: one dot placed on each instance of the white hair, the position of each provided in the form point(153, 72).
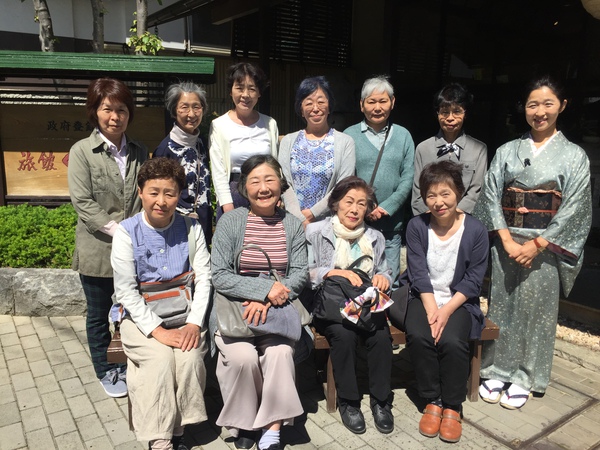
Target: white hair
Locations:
point(376, 84)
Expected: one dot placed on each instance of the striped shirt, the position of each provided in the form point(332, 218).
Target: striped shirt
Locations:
point(269, 234)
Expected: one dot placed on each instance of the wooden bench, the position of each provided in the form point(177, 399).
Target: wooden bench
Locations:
point(490, 333)
point(115, 354)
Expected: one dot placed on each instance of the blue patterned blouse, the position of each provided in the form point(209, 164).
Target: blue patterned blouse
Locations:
point(311, 164)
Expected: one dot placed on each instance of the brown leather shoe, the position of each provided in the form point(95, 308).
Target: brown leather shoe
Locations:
point(430, 422)
point(451, 427)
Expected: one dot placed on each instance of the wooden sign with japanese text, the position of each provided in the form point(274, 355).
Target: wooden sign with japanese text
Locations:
point(35, 142)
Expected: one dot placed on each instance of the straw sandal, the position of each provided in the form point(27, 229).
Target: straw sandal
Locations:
point(514, 397)
point(490, 391)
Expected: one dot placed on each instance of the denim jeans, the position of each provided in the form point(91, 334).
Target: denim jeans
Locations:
point(393, 248)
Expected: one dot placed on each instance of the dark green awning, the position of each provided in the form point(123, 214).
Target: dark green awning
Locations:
point(92, 65)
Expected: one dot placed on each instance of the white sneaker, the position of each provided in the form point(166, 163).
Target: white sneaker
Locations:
point(113, 385)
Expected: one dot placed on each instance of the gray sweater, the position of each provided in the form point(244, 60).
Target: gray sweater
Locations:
point(229, 239)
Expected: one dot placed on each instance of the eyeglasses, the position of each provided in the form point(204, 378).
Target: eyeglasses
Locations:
point(458, 112)
point(320, 104)
point(184, 109)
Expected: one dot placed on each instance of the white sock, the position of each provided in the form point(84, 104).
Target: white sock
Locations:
point(517, 390)
point(268, 438)
point(161, 444)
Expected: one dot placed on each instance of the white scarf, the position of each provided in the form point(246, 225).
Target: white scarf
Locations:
point(342, 245)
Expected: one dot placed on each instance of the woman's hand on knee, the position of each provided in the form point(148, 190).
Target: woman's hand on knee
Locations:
point(189, 337)
point(166, 337)
point(185, 338)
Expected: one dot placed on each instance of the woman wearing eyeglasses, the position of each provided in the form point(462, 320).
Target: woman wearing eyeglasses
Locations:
point(186, 103)
point(452, 143)
point(316, 158)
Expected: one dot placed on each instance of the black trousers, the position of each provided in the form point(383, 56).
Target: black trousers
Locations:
point(343, 341)
point(441, 370)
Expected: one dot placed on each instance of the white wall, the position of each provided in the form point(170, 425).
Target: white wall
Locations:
point(73, 18)
point(17, 16)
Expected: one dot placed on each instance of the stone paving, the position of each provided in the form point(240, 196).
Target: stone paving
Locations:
point(51, 399)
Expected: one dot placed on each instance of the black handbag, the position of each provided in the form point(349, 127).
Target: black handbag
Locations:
point(397, 312)
point(333, 293)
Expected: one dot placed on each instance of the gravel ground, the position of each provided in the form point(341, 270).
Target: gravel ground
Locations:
point(570, 331)
point(578, 333)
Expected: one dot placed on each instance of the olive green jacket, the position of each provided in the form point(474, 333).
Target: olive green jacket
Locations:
point(99, 195)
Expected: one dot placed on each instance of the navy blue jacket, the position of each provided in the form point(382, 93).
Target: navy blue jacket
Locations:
point(471, 265)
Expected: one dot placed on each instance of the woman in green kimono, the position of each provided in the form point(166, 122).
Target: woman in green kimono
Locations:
point(537, 200)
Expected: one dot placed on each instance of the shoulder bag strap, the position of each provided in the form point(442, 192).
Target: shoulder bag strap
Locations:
point(238, 256)
point(191, 240)
point(357, 261)
point(387, 133)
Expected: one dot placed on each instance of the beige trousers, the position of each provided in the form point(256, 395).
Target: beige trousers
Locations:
point(258, 382)
point(166, 385)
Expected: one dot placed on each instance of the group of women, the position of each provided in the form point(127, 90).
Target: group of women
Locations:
point(300, 203)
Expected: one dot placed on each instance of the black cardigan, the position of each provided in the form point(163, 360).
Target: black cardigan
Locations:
point(471, 264)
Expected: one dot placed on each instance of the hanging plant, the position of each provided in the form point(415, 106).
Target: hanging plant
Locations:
point(147, 43)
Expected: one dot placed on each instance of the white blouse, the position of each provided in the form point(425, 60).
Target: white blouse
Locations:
point(441, 262)
point(246, 141)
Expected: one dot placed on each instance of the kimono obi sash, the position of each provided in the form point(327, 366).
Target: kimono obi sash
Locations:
point(530, 209)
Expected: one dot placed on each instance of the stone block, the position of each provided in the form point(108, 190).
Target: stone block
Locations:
point(41, 438)
point(7, 297)
point(12, 437)
point(47, 292)
point(61, 422)
point(69, 441)
point(90, 427)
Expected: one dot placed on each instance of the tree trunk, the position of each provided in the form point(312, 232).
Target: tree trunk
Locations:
point(142, 17)
point(98, 22)
point(42, 15)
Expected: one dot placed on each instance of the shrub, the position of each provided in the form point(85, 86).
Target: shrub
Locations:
point(38, 237)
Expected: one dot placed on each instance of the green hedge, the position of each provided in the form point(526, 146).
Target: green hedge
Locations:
point(38, 237)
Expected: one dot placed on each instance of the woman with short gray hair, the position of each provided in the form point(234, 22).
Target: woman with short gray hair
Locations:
point(186, 102)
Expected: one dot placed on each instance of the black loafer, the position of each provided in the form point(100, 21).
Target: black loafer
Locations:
point(384, 420)
point(245, 440)
point(353, 419)
point(274, 447)
point(178, 443)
